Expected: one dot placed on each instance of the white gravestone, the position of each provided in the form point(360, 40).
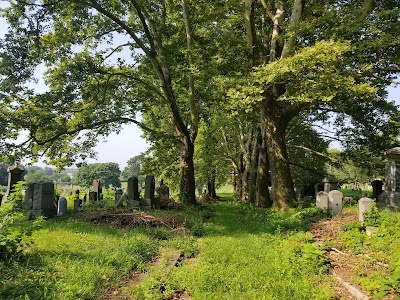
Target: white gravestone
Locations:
point(335, 203)
point(62, 206)
point(364, 204)
point(322, 200)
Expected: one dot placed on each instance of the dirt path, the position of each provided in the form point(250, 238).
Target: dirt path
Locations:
point(167, 260)
point(345, 265)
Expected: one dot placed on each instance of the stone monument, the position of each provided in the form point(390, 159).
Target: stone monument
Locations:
point(43, 197)
point(149, 189)
point(391, 197)
point(335, 202)
point(14, 175)
point(322, 200)
point(364, 204)
point(330, 183)
point(377, 188)
point(133, 191)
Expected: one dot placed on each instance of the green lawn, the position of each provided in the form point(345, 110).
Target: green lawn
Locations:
point(248, 253)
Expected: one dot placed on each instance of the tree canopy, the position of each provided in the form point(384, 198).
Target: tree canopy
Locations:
point(238, 74)
point(107, 173)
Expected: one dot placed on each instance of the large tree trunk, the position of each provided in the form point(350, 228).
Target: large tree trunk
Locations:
point(211, 191)
point(187, 182)
point(263, 198)
point(253, 167)
point(246, 148)
point(275, 122)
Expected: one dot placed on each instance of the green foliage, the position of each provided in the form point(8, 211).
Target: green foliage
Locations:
point(15, 227)
point(107, 173)
point(133, 168)
point(372, 217)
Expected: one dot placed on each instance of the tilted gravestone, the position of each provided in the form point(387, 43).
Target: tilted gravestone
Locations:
point(364, 204)
point(335, 202)
point(391, 197)
point(14, 175)
point(149, 189)
point(62, 206)
point(330, 183)
point(377, 188)
point(43, 197)
point(118, 194)
point(322, 200)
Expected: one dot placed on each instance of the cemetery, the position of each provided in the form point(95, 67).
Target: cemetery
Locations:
point(205, 150)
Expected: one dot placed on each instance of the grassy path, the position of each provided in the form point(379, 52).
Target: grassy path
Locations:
point(249, 253)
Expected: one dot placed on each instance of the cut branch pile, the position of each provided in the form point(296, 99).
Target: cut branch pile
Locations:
point(132, 218)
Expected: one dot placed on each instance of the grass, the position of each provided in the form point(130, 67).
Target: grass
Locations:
point(74, 259)
point(248, 253)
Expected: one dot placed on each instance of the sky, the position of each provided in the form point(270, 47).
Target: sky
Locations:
point(127, 143)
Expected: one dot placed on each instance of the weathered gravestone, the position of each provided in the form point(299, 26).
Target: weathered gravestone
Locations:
point(163, 191)
point(62, 206)
point(322, 200)
point(92, 197)
point(149, 189)
point(377, 188)
point(14, 175)
point(391, 197)
point(133, 191)
point(28, 198)
point(96, 187)
point(77, 204)
point(335, 202)
point(364, 205)
point(1, 198)
point(43, 196)
point(330, 183)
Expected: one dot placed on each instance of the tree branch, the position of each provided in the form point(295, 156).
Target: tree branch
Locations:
point(295, 19)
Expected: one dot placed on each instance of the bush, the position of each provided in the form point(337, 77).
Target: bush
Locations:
point(15, 228)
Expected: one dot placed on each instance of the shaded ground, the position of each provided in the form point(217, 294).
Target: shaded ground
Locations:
point(343, 263)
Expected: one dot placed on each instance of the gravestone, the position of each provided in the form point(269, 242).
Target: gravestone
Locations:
point(391, 197)
point(28, 197)
point(62, 206)
point(335, 202)
point(163, 191)
point(133, 190)
point(322, 200)
point(330, 183)
point(42, 203)
point(92, 197)
point(14, 175)
point(307, 200)
point(77, 204)
point(96, 187)
point(377, 188)
point(1, 198)
point(149, 189)
point(364, 204)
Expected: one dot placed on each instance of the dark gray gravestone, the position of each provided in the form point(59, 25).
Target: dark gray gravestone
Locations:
point(330, 183)
point(77, 204)
point(149, 188)
point(133, 188)
point(164, 191)
point(96, 187)
point(14, 175)
point(43, 197)
point(92, 197)
point(377, 188)
point(28, 198)
point(1, 198)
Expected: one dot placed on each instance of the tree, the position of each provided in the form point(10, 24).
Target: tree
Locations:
point(107, 173)
point(35, 174)
point(87, 91)
point(311, 55)
point(133, 168)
